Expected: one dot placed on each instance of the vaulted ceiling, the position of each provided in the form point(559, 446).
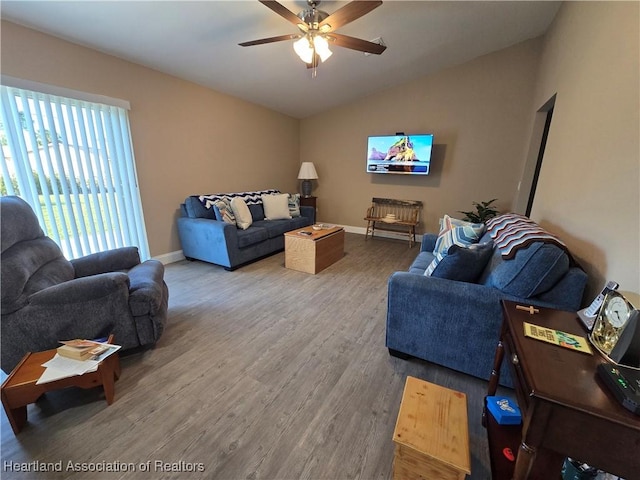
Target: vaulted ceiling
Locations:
point(198, 41)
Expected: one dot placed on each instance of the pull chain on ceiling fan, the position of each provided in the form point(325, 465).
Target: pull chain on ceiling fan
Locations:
point(317, 30)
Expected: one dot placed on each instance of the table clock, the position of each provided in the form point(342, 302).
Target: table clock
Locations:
point(615, 333)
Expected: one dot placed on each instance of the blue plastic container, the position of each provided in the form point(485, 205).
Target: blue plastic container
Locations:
point(504, 410)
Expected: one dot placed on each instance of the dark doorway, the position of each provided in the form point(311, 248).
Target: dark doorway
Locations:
point(548, 108)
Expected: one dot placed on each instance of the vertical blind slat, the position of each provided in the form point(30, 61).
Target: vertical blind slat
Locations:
point(86, 216)
point(71, 187)
point(93, 200)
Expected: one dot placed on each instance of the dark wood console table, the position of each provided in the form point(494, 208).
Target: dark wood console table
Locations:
point(566, 409)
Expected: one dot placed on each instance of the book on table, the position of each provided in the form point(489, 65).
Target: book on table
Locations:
point(82, 349)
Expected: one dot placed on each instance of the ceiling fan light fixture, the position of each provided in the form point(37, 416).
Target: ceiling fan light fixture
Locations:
point(304, 49)
point(317, 30)
point(322, 47)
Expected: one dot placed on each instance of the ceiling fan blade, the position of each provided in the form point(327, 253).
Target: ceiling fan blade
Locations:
point(355, 43)
point(261, 41)
point(350, 12)
point(283, 11)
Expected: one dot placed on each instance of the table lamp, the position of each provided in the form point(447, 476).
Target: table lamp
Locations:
point(306, 174)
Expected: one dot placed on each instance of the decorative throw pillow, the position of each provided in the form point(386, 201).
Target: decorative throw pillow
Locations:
point(241, 212)
point(464, 263)
point(457, 232)
point(276, 207)
point(294, 204)
point(223, 211)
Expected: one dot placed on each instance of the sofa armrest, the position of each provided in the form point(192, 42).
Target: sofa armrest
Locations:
point(456, 324)
point(118, 259)
point(567, 294)
point(428, 242)
point(207, 240)
point(309, 212)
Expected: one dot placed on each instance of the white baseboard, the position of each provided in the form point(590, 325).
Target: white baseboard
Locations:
point(178, 256)
point(170, 257)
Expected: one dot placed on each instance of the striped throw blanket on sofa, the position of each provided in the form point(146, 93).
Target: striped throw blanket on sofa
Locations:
point(250, 198)
point(512, 231)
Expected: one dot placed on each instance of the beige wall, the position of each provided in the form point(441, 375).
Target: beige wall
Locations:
point(588, 191)
point(479, 113)
point(187, 139)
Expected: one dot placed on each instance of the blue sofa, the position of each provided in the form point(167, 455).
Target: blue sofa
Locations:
point(205, 236)
point(457, 323)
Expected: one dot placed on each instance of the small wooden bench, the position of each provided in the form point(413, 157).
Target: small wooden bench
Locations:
point(399, 216)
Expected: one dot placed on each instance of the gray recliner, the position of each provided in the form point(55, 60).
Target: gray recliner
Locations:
point(46, 298)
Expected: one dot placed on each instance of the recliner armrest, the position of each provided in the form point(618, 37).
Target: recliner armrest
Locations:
point(118, 259)
point(146, 290)
point(81, 290)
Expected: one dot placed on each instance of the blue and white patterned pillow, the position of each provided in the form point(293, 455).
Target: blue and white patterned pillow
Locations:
point(294, 204)
point(454, 232)
point(457, 232)
point(223, 211)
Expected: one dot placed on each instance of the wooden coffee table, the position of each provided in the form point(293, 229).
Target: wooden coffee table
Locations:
point(314, 252)
point(20, 389)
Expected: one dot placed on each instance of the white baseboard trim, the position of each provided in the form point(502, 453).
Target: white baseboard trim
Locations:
point(177, 256)
point(171, 257)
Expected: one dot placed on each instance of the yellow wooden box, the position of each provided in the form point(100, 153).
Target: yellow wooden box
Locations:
point(431, 436)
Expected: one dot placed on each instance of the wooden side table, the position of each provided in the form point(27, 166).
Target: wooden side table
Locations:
point(566, 409)
point(20, 389)
point(308, 201)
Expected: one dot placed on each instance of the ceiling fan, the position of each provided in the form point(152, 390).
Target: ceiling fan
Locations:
point(317, 30)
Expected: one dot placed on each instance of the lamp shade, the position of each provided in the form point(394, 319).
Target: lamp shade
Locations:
point(307, 171)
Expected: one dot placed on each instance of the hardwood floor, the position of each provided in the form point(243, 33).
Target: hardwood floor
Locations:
point(262, 373)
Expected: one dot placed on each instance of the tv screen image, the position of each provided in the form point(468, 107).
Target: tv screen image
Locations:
point(403, 154)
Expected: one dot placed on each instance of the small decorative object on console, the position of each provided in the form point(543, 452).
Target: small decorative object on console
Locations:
point(504, 410)
point(557, 337)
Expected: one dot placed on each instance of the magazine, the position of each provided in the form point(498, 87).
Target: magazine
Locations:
point(557, 337)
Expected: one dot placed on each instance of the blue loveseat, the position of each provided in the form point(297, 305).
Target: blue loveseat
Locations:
point(457, 323)
point(205, 236)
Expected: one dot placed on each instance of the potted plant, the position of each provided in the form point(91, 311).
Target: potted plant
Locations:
point(484, 211)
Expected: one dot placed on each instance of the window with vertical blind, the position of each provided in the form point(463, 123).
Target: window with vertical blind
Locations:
point(72, 160)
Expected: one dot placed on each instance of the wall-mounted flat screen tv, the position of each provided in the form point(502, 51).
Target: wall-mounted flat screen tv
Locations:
point(403, 154)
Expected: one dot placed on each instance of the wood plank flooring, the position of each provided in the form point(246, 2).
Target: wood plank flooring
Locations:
point(262, 373)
